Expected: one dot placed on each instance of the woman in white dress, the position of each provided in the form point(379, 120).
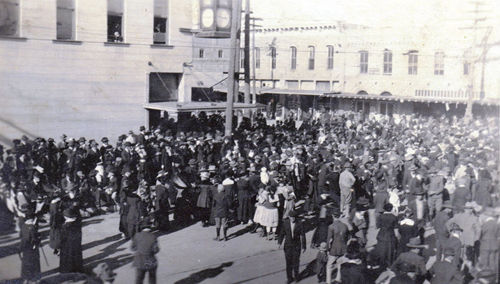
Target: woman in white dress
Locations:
point(266, 213)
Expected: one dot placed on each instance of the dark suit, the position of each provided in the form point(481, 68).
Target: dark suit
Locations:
point(293, 243)
point(146, 246)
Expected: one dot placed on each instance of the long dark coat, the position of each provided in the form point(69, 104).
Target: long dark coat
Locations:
point(30, 242)
point(71, 259)
point(386, 238)
point(56, 220)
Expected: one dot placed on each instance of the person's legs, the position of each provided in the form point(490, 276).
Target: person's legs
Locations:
point(139, 276)
point(152, 276)
point(330, 265)
point(296, 262)
point(224, 227)
point(288, 262)
point(217, 228)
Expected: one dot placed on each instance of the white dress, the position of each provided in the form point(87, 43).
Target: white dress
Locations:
point(266, 214)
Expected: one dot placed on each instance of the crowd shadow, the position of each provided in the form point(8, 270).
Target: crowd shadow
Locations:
point(204, 274)
point(240, 232)
point(309, 271)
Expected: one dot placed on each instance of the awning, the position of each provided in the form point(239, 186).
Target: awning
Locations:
point(175, 107)
point(290, 92)
point(411, 99)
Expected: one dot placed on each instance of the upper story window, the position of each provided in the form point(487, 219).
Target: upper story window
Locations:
point(439, 63)
point(412, 62)
point(242, 58)
point(311, 58)
point(387, 62)
point(220, 53)
point(201, 53)
point(363, 62)
point(66, 19)
point(293, 59)
point(329, 62)
point(160, 23)
point(273, 57)
point(115, 20)
point(257, 58)
point(9, 18)
point(466, 68)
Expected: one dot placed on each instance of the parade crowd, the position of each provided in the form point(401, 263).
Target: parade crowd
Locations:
point(429, 186)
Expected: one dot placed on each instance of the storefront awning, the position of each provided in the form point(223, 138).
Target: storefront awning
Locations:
point(176, 107)
point(410, 99)
point(290, 92)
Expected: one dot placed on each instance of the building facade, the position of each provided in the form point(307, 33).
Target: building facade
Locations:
point(86, 68)
point(351, 67)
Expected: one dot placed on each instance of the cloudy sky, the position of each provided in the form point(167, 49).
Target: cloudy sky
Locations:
point(396, 13)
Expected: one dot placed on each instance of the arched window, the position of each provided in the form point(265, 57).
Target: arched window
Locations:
point(293, 58)
point(387, 62)
point(273, 57)
point(311, 57)
point(329, 62)
point(363, 62)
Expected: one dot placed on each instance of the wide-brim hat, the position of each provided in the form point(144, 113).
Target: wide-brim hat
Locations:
point(454, 227)
point(192, 162)
point(415, 243)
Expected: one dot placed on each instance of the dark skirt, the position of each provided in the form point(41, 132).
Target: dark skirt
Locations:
point(30, 266)
point(71, 259)
point(55, 238)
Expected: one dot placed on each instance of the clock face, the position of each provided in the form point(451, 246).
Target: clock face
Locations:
point(207, 18)
point(223, 18)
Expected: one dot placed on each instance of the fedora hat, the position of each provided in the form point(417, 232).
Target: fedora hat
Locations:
point(415, 243)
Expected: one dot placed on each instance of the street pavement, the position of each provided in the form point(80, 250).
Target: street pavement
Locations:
point(187, 255)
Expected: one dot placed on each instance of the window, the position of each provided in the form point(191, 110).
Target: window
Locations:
point(363, 62)
point(257, 58)
point(273, 57)
point(160, 22)
point(242, 58)
point(412, 62)
point(115, 20)
point(9, 18)
point(329, 61)
point(311, 58)
point(439, 63)
point(66, 19)
point(387, 62)
point(293, 59)
point(386, 108)
point(201, 53)
point(220, 53)
point(466, 68)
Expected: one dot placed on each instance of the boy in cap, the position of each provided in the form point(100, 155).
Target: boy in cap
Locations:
point(321, 260)
point(445, 271)
point(145, 245)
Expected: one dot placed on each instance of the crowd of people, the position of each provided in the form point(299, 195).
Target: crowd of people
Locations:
point(343, 172)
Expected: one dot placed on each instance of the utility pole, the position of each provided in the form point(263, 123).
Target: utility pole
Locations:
point(254, 62)
point(246, 58)
point(473, 60)
point(234, 48)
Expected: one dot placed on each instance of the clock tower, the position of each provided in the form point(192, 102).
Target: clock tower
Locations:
point(215, 18)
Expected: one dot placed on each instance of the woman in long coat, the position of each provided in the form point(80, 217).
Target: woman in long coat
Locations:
point(30, 255)
point(386, 238)
point(56, 220)
point(71, 259)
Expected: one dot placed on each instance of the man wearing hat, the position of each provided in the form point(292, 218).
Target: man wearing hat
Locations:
point(29, 248)
point(413, 257)
point(454, 242)
point(145, 245)
point(71, 259)
point(470, 225)
point(489, 235)
point(221, 206)
point(293, 234)
point(440, 226)
point(446, 271)
point(435, 191)
point(337, 243)
point(346, 181)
